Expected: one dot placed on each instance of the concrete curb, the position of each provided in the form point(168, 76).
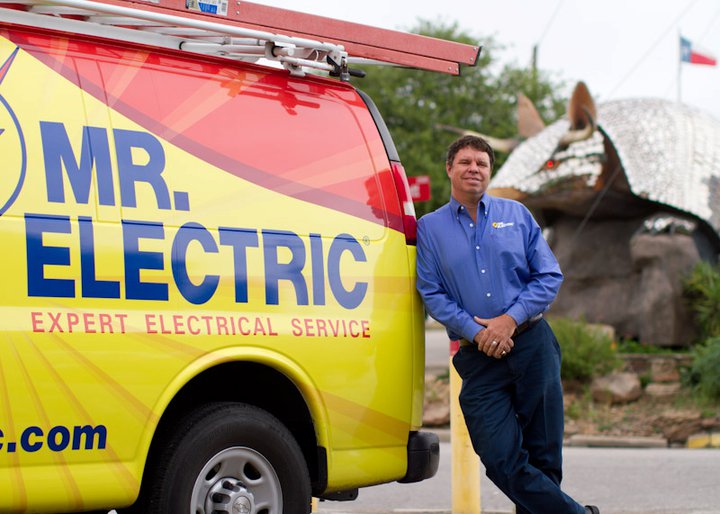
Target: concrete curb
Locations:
point(599, 441)
point(708, 440)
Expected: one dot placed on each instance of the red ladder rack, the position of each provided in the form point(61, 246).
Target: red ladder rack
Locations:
point(245, 30)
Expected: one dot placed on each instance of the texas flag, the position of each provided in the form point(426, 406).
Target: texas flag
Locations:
point(693, 56)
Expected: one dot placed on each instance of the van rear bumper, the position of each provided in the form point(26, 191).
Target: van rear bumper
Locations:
point(423, 451)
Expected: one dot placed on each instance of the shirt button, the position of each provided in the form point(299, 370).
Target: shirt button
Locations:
point(482, 271)
point(477, 247)
point(472, 225)
point(488, 295)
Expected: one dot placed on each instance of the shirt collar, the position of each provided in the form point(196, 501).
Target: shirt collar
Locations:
point(455, 206)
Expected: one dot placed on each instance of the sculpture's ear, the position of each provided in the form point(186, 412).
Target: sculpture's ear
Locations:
point(581, 107)
point(497, 144)
point(529, 121)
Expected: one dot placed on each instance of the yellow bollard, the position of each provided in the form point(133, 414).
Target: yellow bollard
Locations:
point(465, 477)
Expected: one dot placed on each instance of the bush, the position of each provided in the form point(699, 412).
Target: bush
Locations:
point(702, 290)
point(631, 346)
point(704, 373)
point(587, 352)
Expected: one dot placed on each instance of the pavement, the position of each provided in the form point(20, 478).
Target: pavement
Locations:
point(618, 480)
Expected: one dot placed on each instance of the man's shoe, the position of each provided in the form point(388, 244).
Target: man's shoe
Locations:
point(592, 509)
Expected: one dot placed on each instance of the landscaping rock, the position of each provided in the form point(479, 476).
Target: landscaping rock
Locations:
point(603, 330)
point(664, 370)
point(711, 423)
point(616, 388)
point(662, 391)
point(678, 426)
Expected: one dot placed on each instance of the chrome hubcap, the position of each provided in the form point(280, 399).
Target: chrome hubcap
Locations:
point(237, 480)
point(228, 495)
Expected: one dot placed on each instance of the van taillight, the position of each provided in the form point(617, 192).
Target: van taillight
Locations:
point(406, 204)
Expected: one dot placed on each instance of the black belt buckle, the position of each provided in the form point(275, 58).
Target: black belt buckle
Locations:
point(522, 327)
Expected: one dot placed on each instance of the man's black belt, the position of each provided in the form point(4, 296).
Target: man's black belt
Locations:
point(522, 327)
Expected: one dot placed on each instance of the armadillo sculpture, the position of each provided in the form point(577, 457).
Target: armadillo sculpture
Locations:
point(629, 195)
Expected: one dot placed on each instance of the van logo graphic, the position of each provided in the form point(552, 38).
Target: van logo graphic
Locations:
point(12, 146)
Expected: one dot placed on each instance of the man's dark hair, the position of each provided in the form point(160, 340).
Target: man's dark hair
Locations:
point(475, 142)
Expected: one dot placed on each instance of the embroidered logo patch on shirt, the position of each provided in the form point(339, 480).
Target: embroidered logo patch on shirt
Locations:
point(502, 224)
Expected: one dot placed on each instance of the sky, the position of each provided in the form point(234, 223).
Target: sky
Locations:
point(619, 48)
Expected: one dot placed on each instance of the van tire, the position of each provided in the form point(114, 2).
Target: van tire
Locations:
point(247, 456)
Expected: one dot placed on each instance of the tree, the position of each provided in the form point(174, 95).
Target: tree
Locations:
point(414, 102)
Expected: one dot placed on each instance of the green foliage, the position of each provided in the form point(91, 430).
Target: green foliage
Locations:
point(704, 373)
point(645, 379)
point(483, 99)
point(580, 406)
point(632, 346)
point(587, 352)
point(702, 289)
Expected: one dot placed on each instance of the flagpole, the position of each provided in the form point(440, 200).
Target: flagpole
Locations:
point(679, 75)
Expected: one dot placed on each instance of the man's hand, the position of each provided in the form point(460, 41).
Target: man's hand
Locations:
point(495, 340)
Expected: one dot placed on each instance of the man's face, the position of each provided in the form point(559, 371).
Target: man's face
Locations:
point(469, 174)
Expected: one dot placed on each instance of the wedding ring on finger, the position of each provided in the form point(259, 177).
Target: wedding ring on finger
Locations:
point(494, 342)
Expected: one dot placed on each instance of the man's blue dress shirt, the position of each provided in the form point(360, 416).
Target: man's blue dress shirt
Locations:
point(499, 265)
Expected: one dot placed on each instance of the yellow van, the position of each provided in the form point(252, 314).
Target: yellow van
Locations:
point(208, 299)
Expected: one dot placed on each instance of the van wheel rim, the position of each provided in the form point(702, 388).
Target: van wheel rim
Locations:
point(237, 480)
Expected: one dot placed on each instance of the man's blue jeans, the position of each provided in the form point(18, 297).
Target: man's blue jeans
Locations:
point(513, 409)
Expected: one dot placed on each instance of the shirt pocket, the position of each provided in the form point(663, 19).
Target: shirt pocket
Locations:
point(509, 247)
